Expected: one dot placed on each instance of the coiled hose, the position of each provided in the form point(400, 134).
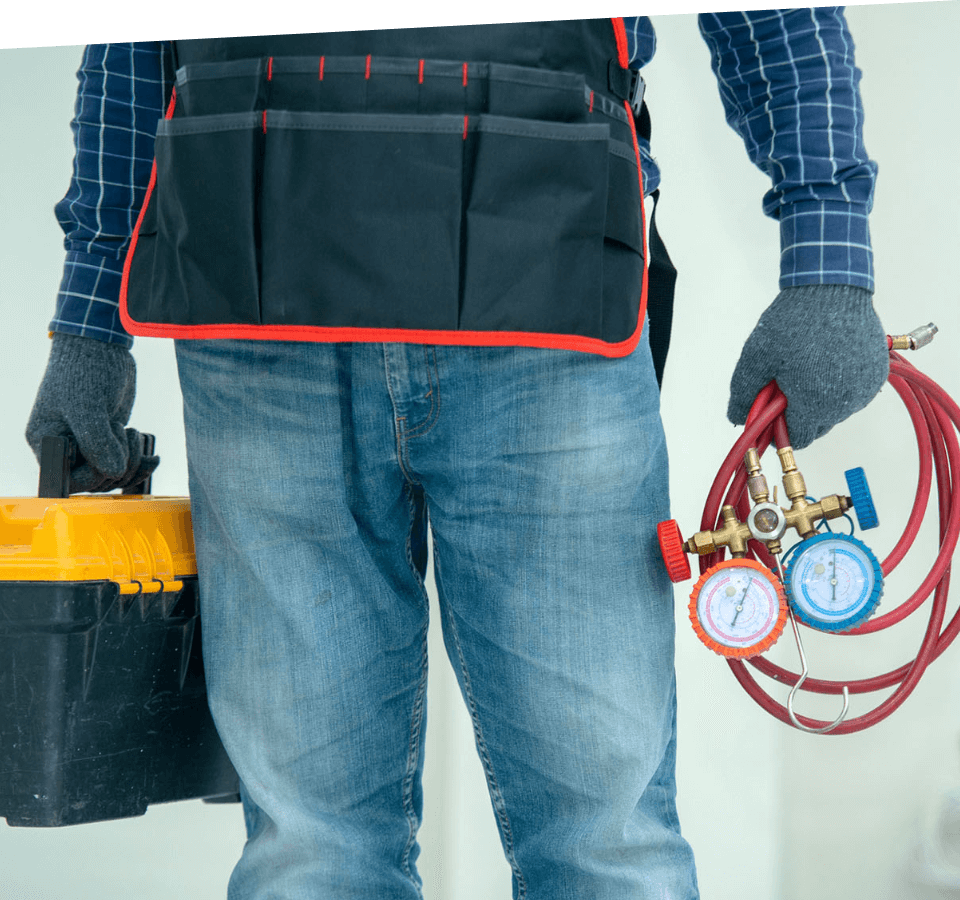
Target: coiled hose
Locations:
point(936, 420)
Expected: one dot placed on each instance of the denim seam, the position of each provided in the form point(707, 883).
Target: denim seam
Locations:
point(413, 757)
point(496, 795)
point(430, 421)
point(416, 723)
point(403, 436)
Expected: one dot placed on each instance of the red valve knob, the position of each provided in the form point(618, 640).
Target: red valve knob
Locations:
point(672, 548)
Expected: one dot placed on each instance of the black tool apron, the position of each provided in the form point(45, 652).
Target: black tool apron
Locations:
point(462, 185)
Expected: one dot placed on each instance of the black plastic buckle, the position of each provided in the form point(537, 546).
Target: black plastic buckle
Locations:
point(627, 84)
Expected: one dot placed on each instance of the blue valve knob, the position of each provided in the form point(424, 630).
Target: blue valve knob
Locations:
point(862, 498)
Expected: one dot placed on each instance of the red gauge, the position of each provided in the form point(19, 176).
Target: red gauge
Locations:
point(738, 608)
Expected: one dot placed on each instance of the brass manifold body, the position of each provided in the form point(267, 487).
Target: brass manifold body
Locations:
point(766, 521)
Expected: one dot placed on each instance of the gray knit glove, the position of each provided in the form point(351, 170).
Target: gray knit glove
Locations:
point(827, 350)
point(87, 392)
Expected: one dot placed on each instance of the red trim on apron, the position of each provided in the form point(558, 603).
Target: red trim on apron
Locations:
point(620, 33)
point(125, 319)
point(393, 335)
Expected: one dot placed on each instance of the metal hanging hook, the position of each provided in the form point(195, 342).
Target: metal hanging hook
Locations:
point(804, 671)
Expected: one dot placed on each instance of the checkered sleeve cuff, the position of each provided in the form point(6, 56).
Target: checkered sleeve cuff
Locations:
point(825, 242)
point(87, 303)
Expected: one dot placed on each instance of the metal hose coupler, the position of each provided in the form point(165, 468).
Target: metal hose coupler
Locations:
point(915, 339)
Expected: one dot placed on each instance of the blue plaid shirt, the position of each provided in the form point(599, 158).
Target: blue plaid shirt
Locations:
point(787, 80)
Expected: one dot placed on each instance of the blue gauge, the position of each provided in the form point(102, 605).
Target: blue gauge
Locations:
point(833, 582)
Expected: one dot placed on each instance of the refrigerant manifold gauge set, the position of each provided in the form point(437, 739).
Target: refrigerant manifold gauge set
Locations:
point(829, 579)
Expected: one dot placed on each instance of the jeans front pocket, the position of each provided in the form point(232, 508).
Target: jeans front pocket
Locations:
point(204, 267)
point(360, 219)
point(534, 227)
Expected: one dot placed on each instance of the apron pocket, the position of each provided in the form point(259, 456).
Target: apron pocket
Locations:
point(360, 220)
point(534, 227)
point(623, 246)
point(204, 267)
point(624, 210)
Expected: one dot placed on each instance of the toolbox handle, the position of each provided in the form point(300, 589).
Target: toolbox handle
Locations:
point(147, 444)
point(58, 454)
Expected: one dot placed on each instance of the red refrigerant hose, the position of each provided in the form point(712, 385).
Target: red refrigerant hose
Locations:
point(936, 419)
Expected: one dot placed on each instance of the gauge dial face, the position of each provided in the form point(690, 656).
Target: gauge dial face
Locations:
point(834, 581)
point(739, 607)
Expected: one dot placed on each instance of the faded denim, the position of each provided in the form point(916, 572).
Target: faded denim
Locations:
point(314, 469)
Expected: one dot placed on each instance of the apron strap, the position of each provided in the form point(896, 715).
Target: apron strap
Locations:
point(661, 281)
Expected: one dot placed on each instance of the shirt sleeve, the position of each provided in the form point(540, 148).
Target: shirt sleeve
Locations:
point(121, 95)
point(790, 88)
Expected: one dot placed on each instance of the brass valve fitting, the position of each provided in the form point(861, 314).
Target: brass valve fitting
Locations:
point(793, 484)
point(733, 534)
point(802, 515)
point(756, 480)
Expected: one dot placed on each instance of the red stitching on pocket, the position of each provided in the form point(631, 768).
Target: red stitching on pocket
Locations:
point(465, 120)
point(367, 73)
point(464, 74)
point(421, 72)
point(591, 101)
point(322, 59)
point(264, 121)
point(270, 69)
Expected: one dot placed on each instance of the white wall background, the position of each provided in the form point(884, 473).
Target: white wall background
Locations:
point(771, 813)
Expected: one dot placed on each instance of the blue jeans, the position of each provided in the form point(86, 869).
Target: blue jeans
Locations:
point(314, 469)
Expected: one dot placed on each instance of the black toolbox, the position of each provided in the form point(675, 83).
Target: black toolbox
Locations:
point(103, 706)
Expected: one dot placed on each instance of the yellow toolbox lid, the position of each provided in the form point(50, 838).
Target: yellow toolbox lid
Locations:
point(144, 543)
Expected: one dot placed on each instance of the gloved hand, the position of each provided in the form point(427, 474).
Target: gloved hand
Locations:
point(827, 350)
point(87, 391)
